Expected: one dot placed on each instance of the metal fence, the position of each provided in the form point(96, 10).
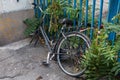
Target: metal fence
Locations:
point(113, 8)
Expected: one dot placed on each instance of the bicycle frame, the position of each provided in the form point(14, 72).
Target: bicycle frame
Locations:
point(52, 49)
point(68, 47)
point(49, 43)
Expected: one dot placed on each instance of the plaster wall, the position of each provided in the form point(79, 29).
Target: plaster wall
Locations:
point(12, 14)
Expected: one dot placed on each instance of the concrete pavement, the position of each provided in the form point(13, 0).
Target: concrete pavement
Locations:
point(20, 61)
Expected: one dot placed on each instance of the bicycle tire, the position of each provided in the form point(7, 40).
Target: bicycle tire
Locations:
point(61, 52)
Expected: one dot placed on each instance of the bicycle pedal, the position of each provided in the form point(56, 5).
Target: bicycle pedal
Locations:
point(45, 63)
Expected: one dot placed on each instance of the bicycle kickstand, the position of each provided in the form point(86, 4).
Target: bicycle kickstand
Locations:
point(47, 62)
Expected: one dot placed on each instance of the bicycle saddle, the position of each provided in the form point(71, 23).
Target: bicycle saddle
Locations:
point(66, 21)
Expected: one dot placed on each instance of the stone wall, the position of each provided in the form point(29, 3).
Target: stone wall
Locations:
point(12, 14)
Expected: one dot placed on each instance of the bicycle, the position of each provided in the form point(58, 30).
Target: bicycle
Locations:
point(68, 49)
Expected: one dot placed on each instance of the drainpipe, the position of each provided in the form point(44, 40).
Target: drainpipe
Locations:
point(113, 9)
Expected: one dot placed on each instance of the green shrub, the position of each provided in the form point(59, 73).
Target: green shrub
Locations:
point(32, 24)
point(100, 59)
point(116, 69)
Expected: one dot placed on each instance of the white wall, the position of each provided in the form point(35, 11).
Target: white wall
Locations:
point(12, 5)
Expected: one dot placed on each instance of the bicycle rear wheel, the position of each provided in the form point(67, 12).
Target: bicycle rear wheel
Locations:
point(70, 51)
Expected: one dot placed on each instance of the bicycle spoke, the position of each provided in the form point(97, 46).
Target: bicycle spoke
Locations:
point(74, 46)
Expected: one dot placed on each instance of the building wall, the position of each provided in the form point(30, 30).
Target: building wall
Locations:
point(13, 5)
point(12, 14)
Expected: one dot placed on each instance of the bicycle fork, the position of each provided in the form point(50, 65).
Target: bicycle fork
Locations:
point(50, 54)
point(49, 58)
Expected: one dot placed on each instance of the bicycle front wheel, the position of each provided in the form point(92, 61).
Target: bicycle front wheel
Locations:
point(69, 53)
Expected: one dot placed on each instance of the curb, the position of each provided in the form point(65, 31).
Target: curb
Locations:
point(16, 45)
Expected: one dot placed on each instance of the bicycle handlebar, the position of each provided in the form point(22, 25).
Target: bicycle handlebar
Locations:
point(37, 6)
point(34, 4)
point(44, 12)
